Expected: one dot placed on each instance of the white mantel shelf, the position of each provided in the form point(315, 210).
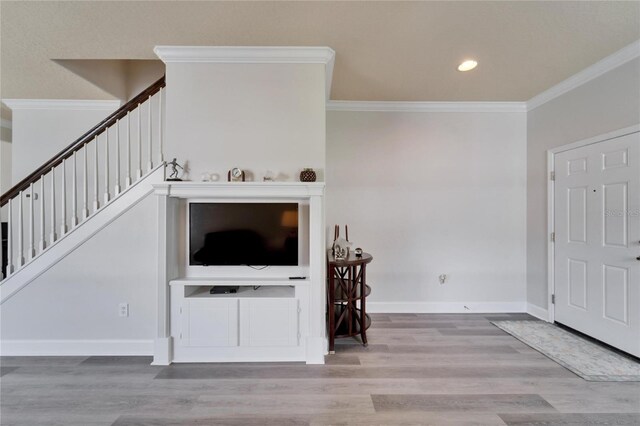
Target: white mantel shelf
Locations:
point(187, 189)
point(250, 281)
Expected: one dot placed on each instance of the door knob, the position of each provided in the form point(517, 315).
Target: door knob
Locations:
point(638, 258)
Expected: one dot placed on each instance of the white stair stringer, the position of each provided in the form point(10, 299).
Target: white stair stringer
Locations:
point(80, 234)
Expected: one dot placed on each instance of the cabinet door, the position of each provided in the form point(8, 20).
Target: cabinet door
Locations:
point(210, 322)
point(269, 322)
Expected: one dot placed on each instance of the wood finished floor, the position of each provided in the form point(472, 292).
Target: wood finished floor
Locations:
point(419, 369)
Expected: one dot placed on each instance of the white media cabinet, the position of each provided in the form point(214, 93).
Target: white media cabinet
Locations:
point(261, 322)
point(271, 318)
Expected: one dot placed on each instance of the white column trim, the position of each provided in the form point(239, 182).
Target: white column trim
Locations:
point(252, 55)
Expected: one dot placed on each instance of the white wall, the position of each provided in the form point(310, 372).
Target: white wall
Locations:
point(44, 128)
point(433, 193)
point(257, 117)
point(607, 103)
point(77, 299)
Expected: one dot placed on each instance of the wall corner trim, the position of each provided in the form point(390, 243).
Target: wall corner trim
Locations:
point(62, 104)
point(622, 56)
point(538, 312)
point(395, 106)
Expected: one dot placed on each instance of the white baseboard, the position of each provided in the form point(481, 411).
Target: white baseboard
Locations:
point(538, 312)
point(162, 353)
point(75, 347)
point(445, 307)
point(315, 350)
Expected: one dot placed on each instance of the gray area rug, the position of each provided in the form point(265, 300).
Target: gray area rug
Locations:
point(585, 358)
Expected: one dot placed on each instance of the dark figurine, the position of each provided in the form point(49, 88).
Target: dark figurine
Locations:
point(174, 170)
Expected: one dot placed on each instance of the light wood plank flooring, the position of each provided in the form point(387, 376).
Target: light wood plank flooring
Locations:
point(419, 369)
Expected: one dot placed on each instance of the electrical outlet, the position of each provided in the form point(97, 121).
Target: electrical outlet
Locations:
point(123, 309)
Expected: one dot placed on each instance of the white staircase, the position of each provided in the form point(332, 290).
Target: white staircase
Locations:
point(83, 189)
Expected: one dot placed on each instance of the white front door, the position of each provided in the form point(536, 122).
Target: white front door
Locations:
point(597, 241)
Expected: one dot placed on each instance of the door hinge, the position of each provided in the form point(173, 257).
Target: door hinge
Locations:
point(299, 309)
point(552, 175)
point(180, 335)
point(553, 299)
point(553, 237)
point(180, 309)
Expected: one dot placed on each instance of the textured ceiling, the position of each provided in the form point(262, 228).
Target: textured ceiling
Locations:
point(404, 51)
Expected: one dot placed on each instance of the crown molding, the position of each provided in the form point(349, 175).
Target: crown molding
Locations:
point(5, 123)
point(392, 106)
point(62, 104)
point(622, 56)
point(246, 54)
point(251, 55)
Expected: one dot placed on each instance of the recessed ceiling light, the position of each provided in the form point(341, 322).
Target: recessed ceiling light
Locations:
point(467, 65)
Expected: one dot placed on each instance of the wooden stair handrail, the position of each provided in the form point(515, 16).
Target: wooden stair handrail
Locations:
point(83, 140)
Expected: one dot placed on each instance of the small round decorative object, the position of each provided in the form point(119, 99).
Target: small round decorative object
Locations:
point(358, 252)
point(307, 175)
point(236, 172)
point(236, 175)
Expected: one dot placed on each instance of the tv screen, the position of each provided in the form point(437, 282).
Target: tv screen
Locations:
point(243, 234)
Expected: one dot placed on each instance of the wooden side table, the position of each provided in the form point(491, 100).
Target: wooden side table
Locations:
point(347, 291)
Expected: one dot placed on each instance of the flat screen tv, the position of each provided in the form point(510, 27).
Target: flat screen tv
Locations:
point(252, 234)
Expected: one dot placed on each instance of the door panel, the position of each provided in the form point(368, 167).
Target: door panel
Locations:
point(210, 322)
point(577, 165)
point(614, 159)
point(578, 215)
point(269, 322)
point(578, 283)
point(597, 225)
point(616, 290)
point(615, 221)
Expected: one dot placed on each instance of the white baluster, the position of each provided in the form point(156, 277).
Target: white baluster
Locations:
point(10, 238)
point(53, 206)
point(96, 203)
point(32, 251)
point(127, 181)
point(106, 167)
point(139, 172)
point(63, 200)
point(85, 184)
point(117, 187)
point(160, 121)
point(20, 260)
point(149, 136)
point(74, 194)
point(43, 242)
